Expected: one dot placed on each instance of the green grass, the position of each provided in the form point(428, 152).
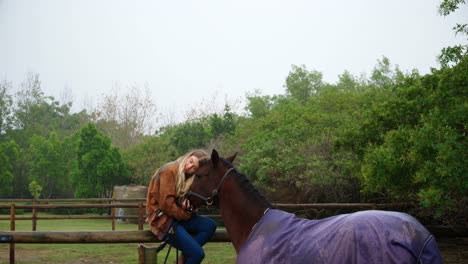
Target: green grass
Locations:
point(93, 253)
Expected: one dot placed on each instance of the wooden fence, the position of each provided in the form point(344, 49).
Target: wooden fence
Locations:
point(114, 204)
point(140, 236)
point(113, 216)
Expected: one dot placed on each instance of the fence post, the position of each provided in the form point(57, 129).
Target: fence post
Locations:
point(113, 218)
point(12, 228)
point(147, 255)
point(141, 254)
point(34, 219)
point(140, 216)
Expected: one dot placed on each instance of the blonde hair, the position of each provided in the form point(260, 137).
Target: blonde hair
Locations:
point(182, 184)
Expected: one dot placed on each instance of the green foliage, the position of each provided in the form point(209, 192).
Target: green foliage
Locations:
point(381, 110)
point(448, 6)
point(8, 154)
point(401, 135)
point(202, 131)
point(6, 102)
point(384, 77)
point(387, 167)
point(35, 189)
point(423, 157)
point(301, 83)
point(289, 151)
point(347, 82)
point(189, 135)
point(99, 165)
point(222, 125)
point(453, 55)
point(49, 165)
point(35, 114)
point(145, 158)
point(257, 105)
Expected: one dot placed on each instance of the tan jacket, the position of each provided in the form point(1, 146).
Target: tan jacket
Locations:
point(162, 195)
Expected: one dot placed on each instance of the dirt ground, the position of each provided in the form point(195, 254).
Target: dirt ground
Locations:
point(454, 250)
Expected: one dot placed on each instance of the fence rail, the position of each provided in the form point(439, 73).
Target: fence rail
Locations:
point(79, 237)
point(137, 203)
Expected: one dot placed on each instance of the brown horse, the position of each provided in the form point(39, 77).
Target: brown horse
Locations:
point(261, 234)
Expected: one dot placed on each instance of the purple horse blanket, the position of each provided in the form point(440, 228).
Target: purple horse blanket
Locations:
point(361, 237)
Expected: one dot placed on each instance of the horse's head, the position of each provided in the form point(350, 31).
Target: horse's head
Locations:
point(209, 180)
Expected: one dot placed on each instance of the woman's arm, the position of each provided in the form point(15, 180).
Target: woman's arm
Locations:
point(168, 196)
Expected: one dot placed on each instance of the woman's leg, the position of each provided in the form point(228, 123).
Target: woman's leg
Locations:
point(191, 235)
point(190, 248)
point(201, 227)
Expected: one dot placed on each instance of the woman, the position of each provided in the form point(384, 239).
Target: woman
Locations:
point(170, 215)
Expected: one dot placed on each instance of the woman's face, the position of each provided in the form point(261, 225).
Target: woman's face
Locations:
point(191, 165)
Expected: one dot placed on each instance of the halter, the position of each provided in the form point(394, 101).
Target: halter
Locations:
point(214, 193)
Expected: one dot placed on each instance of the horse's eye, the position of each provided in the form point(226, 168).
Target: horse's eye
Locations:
point(197, 176)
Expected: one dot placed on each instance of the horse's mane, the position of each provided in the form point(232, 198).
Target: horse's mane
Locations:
point(246, 186)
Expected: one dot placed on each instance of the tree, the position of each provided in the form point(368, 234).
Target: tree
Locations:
point(383, 76)
point(222, 125)
point(257, 105)
point(49, 165)
point(448, 6)
point(145, 158)
point(99, 165)
point(422, 153)
point(36, 114)
point(8, 155)
point(347, 82)
point(379, 108)
point(35, 190)
point(126, 119)
point(453, 54)
point(189, 135)
point(6, 103)
point(301, 83)
point(289, 152)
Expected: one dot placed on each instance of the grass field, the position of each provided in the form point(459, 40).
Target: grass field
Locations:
point(93, 253)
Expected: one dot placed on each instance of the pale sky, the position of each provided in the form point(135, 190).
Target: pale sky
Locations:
point(188, 51)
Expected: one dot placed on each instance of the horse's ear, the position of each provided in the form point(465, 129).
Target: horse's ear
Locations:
point(231, 158)
point(214, 157)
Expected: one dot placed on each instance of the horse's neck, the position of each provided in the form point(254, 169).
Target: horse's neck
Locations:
point(239, 215)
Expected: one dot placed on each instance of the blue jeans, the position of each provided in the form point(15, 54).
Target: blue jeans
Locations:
point(191, 235)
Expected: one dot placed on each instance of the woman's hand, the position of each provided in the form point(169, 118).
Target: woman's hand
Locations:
point(186, 204)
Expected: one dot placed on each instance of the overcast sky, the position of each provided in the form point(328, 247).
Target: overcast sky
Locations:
point(188, 51)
